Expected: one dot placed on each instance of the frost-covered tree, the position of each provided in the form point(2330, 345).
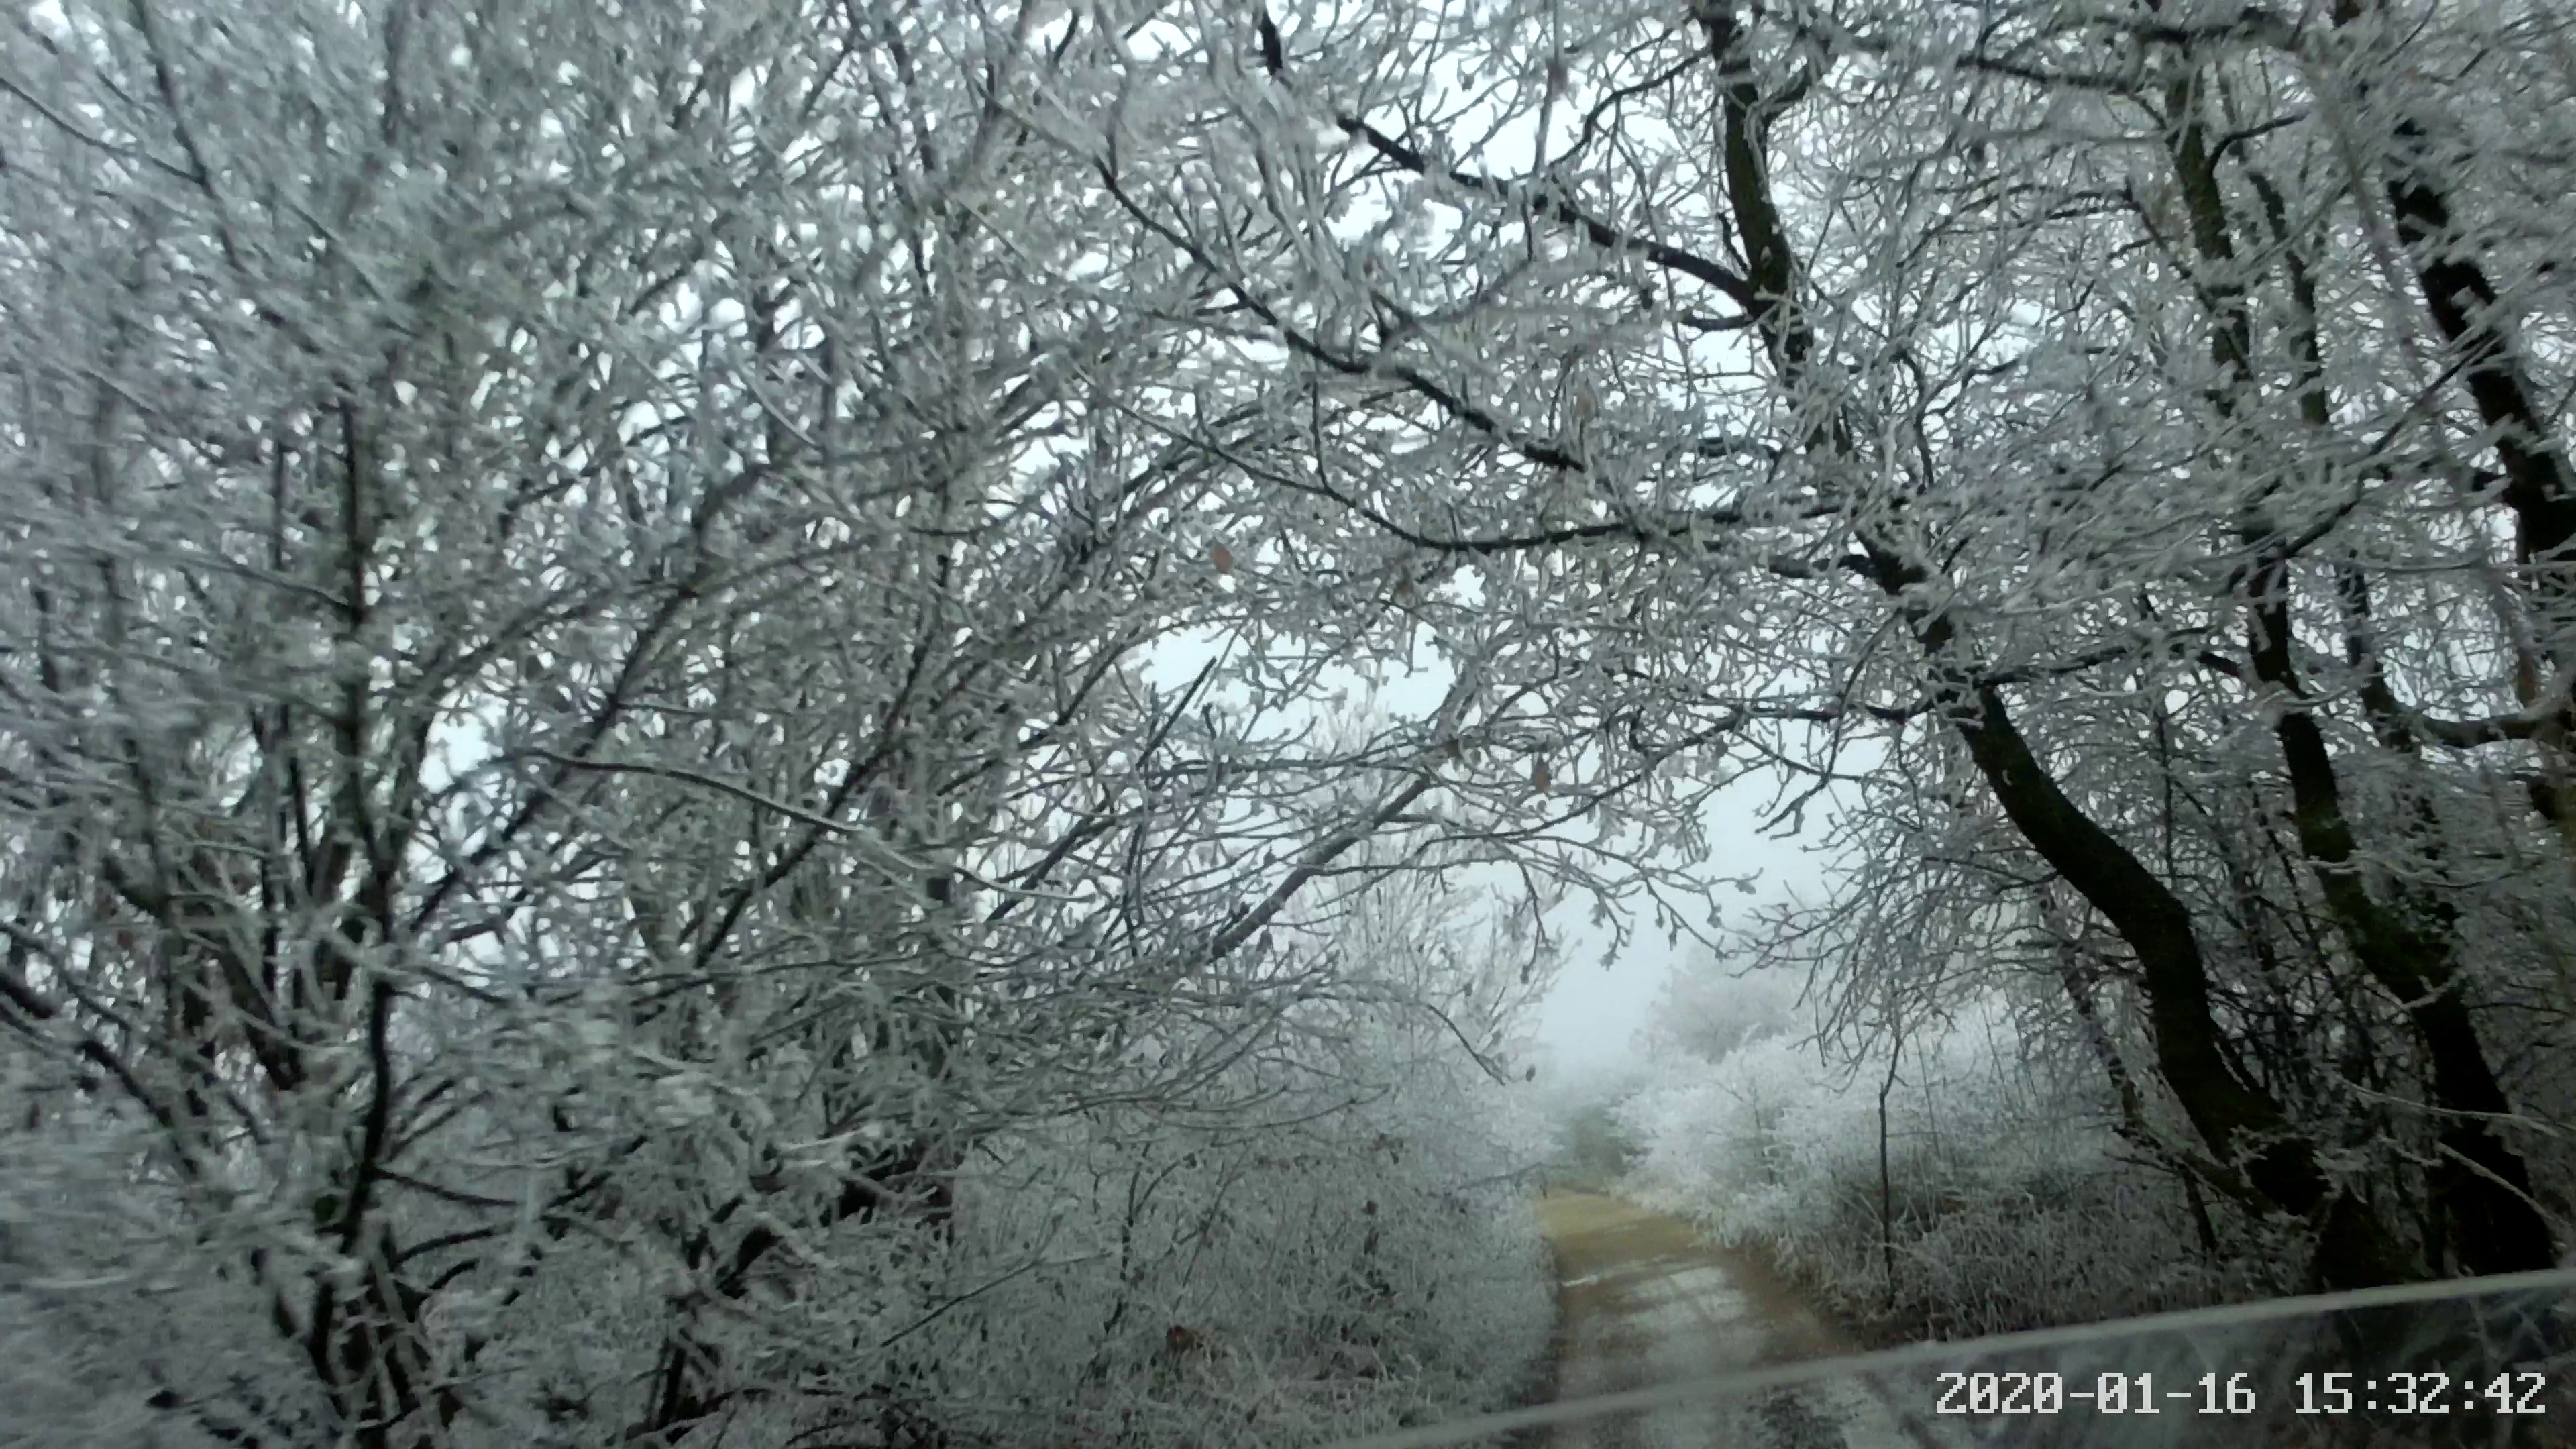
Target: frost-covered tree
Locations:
point(2128, 439)
point(581, 769)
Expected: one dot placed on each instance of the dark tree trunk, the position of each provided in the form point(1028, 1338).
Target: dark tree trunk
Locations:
point(2480, 1186)
point(2240, 1122)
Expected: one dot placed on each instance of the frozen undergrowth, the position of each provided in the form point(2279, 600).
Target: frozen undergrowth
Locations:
point(1112, 1281)
point(1295, 1287)
point(2011, 1204)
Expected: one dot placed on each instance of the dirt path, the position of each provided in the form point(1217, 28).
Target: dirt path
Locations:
point(1641, 1301)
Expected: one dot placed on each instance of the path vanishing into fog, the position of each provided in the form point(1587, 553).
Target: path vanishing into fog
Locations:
point(1642, 1302)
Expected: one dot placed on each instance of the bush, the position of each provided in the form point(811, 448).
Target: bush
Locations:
point(2010, 1203)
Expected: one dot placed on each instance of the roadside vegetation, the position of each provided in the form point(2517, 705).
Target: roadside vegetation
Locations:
point(701, 705)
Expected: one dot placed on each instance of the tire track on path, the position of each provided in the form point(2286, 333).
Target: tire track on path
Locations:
point(1642, 1300)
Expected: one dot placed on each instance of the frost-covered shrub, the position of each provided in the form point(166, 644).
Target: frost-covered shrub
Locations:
point(1326, 1238)
point(2007, 1201)
point(109, 1299)
point(1363, 1268)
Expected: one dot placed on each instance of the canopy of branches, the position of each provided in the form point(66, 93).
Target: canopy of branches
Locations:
point(593, 815)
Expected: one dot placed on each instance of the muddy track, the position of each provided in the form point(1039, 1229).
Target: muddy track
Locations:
point(1642, 1301)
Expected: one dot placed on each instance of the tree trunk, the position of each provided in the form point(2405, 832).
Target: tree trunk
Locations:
point(2237, 1119)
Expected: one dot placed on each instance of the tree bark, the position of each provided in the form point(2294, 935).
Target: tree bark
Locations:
point(2406, 945)
point(2240, 1123)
